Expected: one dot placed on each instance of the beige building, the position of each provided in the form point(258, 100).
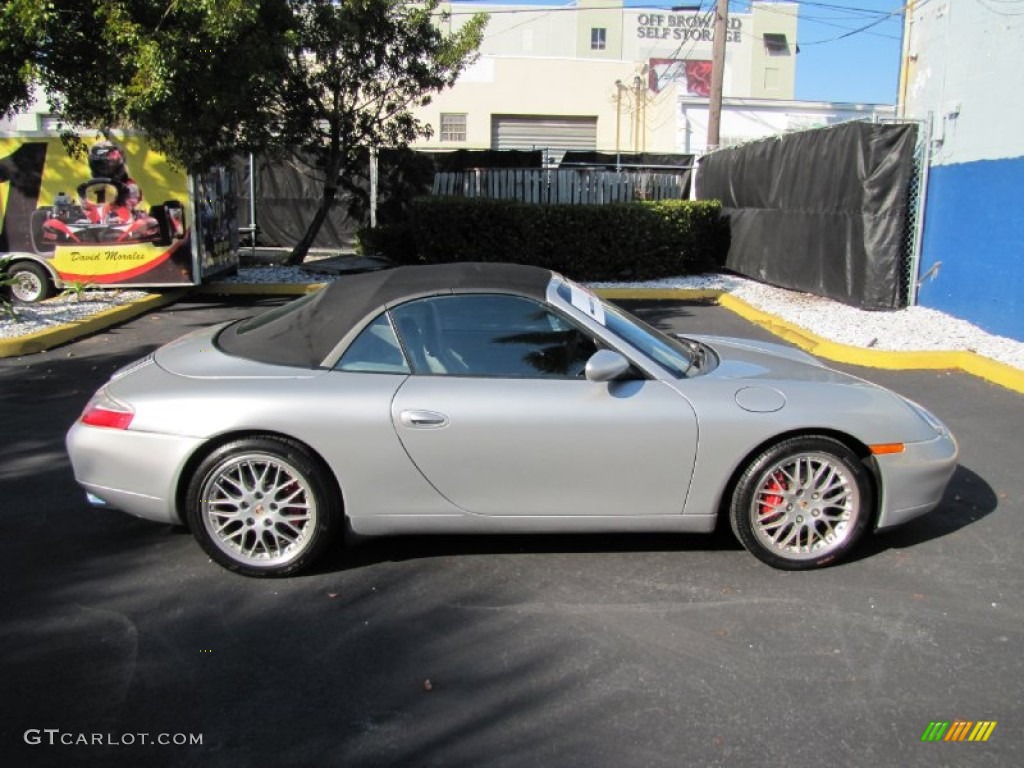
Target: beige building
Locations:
point(594, 74)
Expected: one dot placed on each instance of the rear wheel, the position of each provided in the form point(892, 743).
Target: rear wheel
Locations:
point(802, 503)
point(263, 507)
point(31, 282)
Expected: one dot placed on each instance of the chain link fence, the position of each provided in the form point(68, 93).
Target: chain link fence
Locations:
point(910, 260)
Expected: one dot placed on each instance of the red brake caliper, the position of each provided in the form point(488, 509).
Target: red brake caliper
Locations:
point(769, 503)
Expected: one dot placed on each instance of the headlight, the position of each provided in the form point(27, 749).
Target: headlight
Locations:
point(927, 416)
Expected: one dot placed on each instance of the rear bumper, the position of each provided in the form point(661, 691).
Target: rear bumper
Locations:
point(913, 481)
point(135, 472)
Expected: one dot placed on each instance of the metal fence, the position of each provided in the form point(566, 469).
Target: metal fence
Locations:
point(917, 194)
point(581, 186)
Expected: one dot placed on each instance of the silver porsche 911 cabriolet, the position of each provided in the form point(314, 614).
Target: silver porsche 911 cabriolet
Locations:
point(495, 398)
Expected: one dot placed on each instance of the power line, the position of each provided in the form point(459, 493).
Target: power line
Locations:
point(898, 12)
point(669, 7)
point(542, 11)
point(985, 4)
point(817, 20)
point(834, 7)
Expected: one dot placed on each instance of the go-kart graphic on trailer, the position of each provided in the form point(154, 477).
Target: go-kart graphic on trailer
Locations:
point(108, 211)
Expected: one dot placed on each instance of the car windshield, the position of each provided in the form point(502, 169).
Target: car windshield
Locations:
point(672, 355)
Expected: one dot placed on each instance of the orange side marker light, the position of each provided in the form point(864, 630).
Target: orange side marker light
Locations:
point(881, 449)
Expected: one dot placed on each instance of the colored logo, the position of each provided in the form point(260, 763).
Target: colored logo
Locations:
point(958, 730)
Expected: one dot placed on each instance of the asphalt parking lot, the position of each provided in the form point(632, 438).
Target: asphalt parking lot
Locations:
point(501, 651)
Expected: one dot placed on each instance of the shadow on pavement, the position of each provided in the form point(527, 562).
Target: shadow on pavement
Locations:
point(968, 499)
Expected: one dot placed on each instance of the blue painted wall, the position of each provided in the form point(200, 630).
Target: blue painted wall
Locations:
point(974, 225)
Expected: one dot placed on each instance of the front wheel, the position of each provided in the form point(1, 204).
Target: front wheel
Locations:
point(802, 503)
point(262, 507)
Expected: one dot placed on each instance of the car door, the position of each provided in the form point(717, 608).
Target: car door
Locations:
point(500, 419)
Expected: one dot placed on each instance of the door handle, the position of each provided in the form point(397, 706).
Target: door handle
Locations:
point(423, 419)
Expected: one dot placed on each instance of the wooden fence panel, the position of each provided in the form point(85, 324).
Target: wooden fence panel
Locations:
point(544, 186)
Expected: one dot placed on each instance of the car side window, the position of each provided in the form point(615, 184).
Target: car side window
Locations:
point(491, 335)
point(375, 350)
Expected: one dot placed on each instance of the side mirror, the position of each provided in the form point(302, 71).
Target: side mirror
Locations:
point(606, 365)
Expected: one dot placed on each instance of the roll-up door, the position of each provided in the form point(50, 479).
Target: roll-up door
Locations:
point(543, 132)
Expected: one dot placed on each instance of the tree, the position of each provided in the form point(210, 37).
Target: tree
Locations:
point(209, 79)
point(194, 75)
point(21, 24)
point(356, 71)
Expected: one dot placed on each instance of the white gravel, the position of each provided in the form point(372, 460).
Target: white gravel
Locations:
point(62, 310)
point(911, 329)
point(915, 328)
point(265, 275)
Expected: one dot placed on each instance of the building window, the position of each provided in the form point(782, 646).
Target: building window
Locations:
point(598, 38)
point(776, 44)
point(453, 127)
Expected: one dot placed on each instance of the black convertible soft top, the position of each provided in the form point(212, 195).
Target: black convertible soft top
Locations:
point(303, 332)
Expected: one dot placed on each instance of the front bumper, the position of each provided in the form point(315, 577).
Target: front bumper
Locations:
point(135, 472)
point(913, 481)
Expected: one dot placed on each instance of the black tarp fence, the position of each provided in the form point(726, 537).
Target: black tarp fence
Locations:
point(611, 160)
point(822, 211)
point(288, 191)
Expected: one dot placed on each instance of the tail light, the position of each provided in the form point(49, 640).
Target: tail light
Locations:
point(105, 411)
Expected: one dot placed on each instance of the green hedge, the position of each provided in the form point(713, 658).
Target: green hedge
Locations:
point(635, 241)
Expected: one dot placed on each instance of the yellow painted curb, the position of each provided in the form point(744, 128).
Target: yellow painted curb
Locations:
point(61, 334)
point(968, 362)
point(257, 289)
point(992, 370)
point(679, 294)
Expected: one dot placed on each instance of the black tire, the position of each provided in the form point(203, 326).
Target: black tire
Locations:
point(33, 282)
point(269, 496)
point(802, 503)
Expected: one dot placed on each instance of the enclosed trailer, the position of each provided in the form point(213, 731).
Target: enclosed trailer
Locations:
point(118, 214)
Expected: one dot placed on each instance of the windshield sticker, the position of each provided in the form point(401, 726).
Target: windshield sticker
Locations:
point(587, 302)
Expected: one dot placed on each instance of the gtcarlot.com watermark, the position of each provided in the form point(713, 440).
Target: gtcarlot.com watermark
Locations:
point(56, 737)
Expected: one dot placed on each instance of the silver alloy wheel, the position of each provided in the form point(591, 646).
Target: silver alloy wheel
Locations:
point(259, 509)
point(27, 287)
point(806, 506)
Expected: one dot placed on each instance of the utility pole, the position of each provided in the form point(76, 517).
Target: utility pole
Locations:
point(619, 88)
point(638, 95)
point(717, 75)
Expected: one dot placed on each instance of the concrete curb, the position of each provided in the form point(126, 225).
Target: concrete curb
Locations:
point(968, 362)
point(256, 289)
point(61, 334)
point(991, 370)
point(998, 373)
point(679, 294)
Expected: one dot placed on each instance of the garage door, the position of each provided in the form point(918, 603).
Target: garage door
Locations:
point(542, 132)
